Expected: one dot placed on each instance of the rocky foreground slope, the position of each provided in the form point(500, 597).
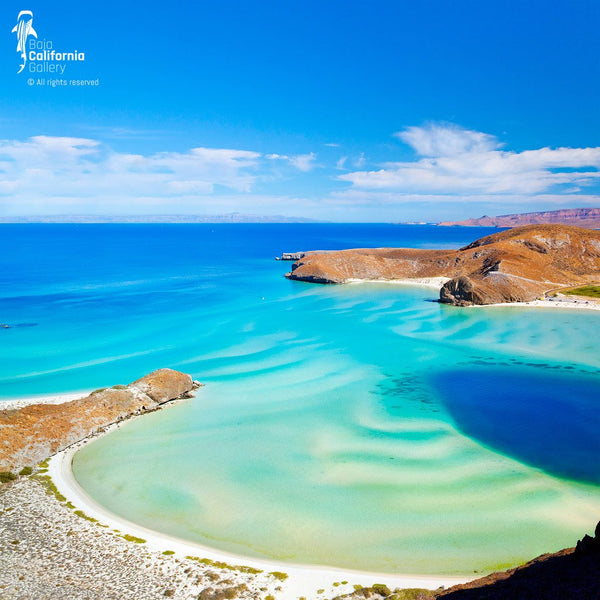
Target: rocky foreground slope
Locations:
point(33, 433)
point(518, 265)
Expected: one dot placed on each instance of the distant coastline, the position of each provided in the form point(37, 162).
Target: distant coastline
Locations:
point(580, 217)
point(224, 218)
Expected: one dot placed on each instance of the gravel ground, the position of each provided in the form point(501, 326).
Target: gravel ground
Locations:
point(47, 552)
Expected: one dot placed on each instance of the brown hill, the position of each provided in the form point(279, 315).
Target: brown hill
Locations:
point(580, 217)
point(517, 265)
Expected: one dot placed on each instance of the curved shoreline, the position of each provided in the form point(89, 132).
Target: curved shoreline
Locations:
point(436, 283)
point(303, 579)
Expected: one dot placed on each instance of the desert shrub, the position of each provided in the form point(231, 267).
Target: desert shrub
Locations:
point(381, 589)
point(132, 538)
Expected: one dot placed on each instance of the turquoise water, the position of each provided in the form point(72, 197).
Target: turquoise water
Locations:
point(362, 426)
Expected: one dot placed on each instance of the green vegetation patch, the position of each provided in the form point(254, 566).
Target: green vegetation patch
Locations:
point(590, 291)
point(51, 489)
point(132, 538)
point(81, 514)
point(26, 471)
point(279, 575)
point(6, 476)
point(223, 565)
point(381, 589)
point(168, 552)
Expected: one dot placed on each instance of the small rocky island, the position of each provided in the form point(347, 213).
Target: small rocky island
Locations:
point(517, 265)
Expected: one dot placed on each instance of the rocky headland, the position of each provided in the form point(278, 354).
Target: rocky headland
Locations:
point(33, 433)
point(517, 265)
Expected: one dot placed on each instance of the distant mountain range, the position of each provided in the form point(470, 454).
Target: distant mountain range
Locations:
point(581, 217)
point(228, 218)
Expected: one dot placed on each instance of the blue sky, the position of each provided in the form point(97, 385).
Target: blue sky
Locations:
point(346, 111)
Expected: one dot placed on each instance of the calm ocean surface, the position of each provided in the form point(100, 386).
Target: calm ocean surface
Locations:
point(362, 426)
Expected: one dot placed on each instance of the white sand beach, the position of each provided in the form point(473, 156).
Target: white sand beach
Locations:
point(54, 399)
point(309, 581)
point(435, 283)
point(302, 580)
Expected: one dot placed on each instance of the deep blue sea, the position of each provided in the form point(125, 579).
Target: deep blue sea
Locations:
point(363, 425)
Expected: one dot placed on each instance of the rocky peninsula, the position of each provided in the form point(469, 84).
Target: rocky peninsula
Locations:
point(35, 432)
point(517, 265)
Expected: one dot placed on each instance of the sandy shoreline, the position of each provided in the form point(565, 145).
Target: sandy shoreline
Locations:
point(12, 403)
point(436, 283)
point(303, 580)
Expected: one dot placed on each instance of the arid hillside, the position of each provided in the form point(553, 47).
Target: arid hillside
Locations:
point(517, 265)
point(580, 217)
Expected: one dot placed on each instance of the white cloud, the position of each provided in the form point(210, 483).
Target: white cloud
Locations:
point(62, 166)
point(360, 161)
point(57, 175)
point(457, 161)
point(446, 140)
point(341, 163)
point(302, 162)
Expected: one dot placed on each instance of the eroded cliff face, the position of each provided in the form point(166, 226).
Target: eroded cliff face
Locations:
point(517, 265)
point(35, 432)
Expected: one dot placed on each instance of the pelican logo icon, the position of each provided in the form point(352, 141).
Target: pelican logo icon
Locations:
point(24, 29)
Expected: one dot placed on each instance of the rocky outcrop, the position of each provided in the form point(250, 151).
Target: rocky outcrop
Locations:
point(33, 433)
point(569, 573)
point(291, 256)
point(164, 385)
point(517, 265)
point(580, 217)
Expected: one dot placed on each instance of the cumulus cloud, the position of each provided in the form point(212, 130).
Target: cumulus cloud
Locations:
point(457, 161)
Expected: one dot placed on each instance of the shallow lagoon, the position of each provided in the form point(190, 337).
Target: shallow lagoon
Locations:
point(362, 426)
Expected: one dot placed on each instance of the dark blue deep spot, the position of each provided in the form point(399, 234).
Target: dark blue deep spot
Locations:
point(545, 419)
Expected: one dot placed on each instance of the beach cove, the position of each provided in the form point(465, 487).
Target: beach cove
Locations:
point(360, 385)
